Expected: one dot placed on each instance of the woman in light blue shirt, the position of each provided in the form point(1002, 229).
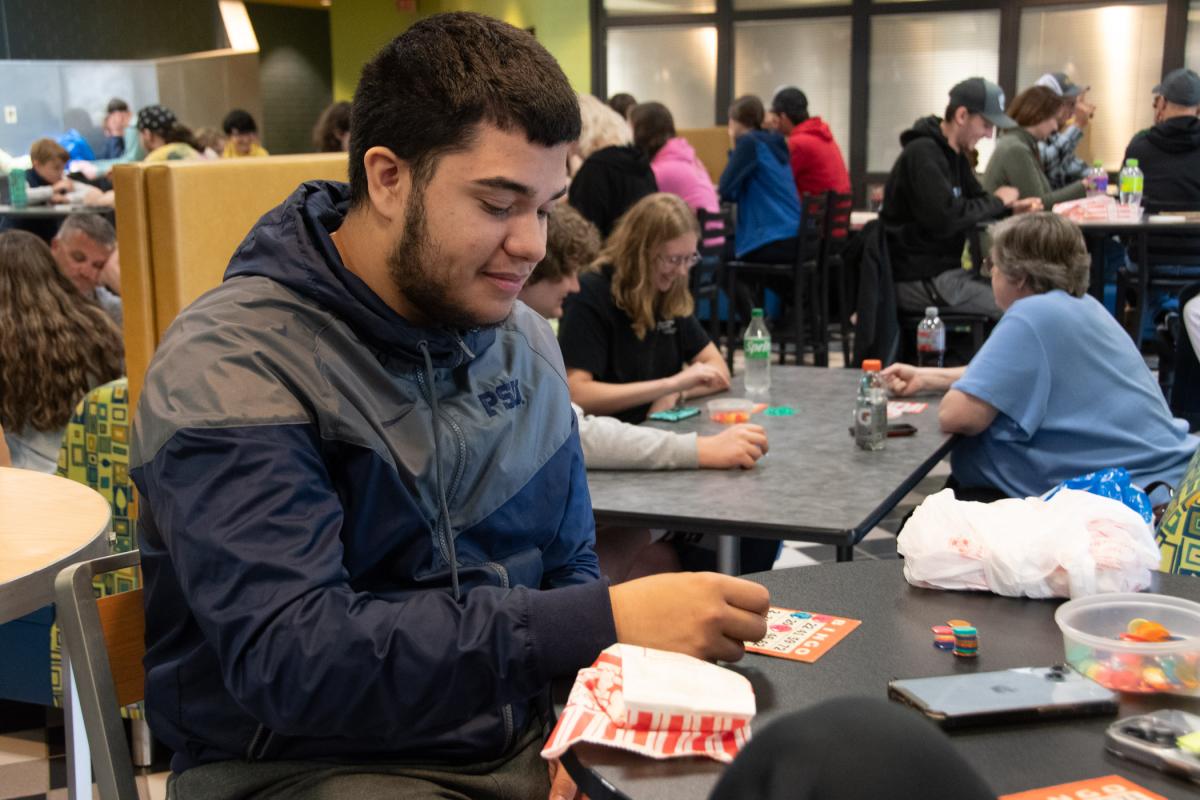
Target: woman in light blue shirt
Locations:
point(1059, 389)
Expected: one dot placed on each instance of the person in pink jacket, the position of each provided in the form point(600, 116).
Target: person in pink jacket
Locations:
point(674, 162)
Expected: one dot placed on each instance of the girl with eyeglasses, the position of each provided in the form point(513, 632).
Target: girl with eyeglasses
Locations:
point(630, 339)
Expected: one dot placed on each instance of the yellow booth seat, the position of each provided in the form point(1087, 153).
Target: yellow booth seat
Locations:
point(711, 146)
point(178, 224)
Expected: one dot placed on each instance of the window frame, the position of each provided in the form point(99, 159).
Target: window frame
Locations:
point(860, 12)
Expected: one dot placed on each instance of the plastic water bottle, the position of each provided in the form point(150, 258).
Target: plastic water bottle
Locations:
point(870, 410)
point(16, 188)
point(1096, 180)
point(756, 343)
point(1131, 184)
point(931, 340)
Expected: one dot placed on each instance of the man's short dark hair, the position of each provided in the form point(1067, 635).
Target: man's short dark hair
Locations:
point(621, 102)
point(116, 104)
point(94, 226)
point(653, 126)
point(426, 92)
point(239, 120)
point(791, 103)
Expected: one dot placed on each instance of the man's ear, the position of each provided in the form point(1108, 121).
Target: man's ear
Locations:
point(389, 182)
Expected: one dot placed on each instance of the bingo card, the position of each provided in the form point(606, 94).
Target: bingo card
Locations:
point(801, 635)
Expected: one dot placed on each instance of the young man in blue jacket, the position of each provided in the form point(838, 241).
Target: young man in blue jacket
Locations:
point(365, 527)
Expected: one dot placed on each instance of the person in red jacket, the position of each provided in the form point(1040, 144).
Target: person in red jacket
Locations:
point(817, 163)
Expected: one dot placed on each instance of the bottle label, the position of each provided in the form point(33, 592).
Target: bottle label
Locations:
point(931, 341)
point(1131, 184)
point(757, 347)
point(864, 417)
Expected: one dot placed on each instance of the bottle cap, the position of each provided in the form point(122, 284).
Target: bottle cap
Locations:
point(1098, 164)
point(931, 311)
point(1131, 162)
point(872, 365)
point(757, 312)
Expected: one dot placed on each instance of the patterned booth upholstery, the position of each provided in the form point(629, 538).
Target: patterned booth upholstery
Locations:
point(1179, 531)
point(95, 452)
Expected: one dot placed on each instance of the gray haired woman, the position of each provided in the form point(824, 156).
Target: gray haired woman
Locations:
point(1059, 389)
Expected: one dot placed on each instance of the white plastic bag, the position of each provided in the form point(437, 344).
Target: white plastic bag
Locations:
point(1072, 545)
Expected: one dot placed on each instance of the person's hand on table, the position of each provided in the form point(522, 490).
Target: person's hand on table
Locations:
point(1027, 205)
point(701, 614)
point(562, 787)
point(902, 380)
point(736, 446)
point(702, 375)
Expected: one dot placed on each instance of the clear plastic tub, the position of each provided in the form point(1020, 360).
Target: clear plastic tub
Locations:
point(730, 411)
point(1092, 626)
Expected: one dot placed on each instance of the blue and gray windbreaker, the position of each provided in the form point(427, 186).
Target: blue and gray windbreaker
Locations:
point(310, 466)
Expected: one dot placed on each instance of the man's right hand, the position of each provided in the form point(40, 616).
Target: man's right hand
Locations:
point(702, 614)
point(1007, 194)
point(700, 374)
point(736, 446)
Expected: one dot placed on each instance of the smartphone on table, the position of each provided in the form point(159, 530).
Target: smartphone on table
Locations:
point(1010, 695)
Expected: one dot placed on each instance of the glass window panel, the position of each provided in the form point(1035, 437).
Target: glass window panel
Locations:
point(621, 8)
point(1192, 57)
point(915, 59)
point(756, 5)
point(1079, 42)
point(812, 54)
point(673, 64)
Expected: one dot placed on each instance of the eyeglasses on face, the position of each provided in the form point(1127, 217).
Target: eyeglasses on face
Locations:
point(689, 260)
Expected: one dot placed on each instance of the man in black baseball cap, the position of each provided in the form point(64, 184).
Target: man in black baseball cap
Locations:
point(1169, 153)
point(1057, 150)
point(933, 200)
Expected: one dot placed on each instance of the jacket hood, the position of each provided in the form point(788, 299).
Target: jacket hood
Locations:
point(776, 144)
point(1176, 135)
point(925, 128)
point(291, 245)
point(814, 126)
point(626, 158)
point(677, 149)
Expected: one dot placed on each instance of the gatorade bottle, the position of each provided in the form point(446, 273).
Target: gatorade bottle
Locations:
point(870, 409)
point(1096, 180)
point(1131, 184)
point(16, 188)
point(756, 343)
point(931, 340)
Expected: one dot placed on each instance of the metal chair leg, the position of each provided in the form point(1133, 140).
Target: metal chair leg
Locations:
point(143, 743)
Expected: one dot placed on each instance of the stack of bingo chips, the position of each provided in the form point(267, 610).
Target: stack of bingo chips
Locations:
point(966, 640)
point(943, 637)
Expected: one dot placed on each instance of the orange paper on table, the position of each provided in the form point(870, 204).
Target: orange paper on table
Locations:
point(1110, 787)
point(801, 635)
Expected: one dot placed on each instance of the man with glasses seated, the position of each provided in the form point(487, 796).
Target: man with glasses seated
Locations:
point(933, 200)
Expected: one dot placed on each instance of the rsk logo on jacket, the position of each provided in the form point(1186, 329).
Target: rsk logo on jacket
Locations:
point(506, 395)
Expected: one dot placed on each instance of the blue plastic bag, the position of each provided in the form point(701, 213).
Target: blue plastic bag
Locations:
point(1113, 483)
point(76, 146)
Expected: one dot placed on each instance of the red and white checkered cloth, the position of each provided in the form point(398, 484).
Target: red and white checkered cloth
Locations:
point(597, 712)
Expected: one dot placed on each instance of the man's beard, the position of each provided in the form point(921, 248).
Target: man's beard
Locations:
point(411, 266)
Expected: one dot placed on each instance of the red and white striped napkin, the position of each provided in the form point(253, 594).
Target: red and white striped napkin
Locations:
point(658, 704)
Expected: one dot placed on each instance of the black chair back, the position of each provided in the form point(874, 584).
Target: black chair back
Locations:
point(707, 276)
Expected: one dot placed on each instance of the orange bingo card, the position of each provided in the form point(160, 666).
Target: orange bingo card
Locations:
point(1110, 787)
point(801, 635)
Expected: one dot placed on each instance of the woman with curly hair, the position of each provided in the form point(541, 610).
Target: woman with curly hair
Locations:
point(55, 345)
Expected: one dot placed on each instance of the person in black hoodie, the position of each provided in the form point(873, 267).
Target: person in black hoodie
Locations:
point(933, 200)
point(1169, 153)
point(614, 174)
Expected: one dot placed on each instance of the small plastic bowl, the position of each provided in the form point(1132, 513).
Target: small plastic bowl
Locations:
point(1091, 627)
point(730, 411)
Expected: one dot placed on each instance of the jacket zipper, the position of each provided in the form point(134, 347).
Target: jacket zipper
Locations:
point(442, 532)
point(257, 749)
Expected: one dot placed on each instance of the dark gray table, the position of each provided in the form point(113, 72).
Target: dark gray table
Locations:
point(894, 641)
point(814, 484)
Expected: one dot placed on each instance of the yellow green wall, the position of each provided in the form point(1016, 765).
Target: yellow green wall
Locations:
point(360, 27)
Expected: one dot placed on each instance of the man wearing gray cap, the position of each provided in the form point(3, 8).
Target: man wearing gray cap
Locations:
point(1169, 153)
point(1057, 151)
point(933, 200)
